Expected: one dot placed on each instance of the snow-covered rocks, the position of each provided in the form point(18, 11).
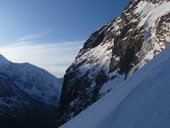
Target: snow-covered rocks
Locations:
point(115, 52)
point(142, 101)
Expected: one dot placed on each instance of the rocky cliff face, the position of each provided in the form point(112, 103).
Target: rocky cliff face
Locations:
point(115, 52)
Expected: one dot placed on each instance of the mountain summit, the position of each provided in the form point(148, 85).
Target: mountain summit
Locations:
point(115, 52)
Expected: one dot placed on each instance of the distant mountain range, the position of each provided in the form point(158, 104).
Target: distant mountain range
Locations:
point(29, 95)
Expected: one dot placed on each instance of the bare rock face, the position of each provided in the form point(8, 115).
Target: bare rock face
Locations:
point(115, 52)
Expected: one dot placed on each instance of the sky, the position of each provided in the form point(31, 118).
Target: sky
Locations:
point(50, 33)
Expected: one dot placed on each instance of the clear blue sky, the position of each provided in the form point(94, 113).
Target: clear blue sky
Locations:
point(47, 22)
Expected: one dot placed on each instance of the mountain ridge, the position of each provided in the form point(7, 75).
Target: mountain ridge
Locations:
point(3, 59)
point(113, 53)
point(139, 102)
point(29, 96)
point(33, 80)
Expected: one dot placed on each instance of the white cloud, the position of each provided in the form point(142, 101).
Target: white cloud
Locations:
point(53, 57)
point(33, 36)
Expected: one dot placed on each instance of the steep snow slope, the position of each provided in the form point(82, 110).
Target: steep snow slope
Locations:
point(115, 52)
point(142, 101)
point(36, 82)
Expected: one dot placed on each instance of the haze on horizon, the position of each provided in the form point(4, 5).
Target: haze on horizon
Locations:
point(50, 34)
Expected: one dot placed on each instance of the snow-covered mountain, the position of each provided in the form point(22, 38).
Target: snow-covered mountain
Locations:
point(36, 82)
point(142, 101)
point(115, 52)
point(19, 110)
point(29, 96)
